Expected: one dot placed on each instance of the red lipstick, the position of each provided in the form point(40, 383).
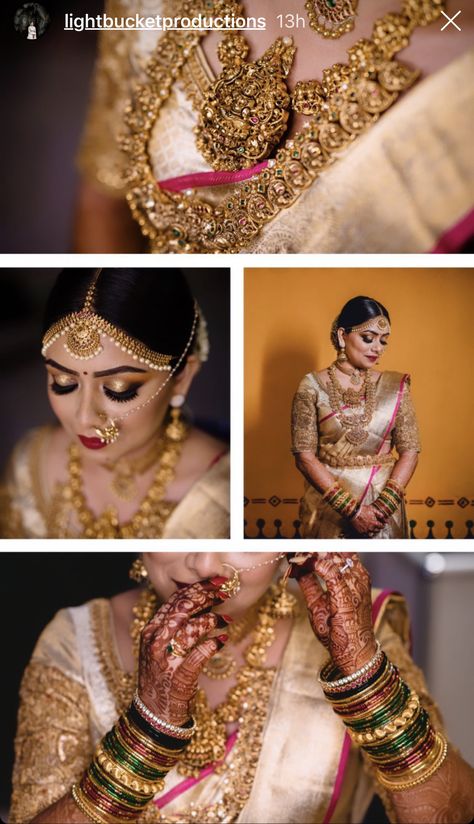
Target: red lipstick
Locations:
point(91, 443)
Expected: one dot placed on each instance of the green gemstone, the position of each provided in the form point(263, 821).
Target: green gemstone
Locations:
point(331, 3)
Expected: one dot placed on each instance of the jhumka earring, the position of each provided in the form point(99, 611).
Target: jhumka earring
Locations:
point(138, 572)
point(331, 18)
point(176, 427)
point(341, 355)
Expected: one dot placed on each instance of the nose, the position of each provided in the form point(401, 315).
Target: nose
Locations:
point(206, 564)
point(87, 416)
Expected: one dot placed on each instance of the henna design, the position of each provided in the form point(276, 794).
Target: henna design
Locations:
point(166, 683)
point(446, 798)
point(341, 618)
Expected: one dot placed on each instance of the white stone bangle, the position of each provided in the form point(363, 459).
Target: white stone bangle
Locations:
point(164, 726)
point(354, 675)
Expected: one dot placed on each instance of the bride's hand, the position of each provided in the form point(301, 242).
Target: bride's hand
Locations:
point(174, 648)
point(341, 616)
point(368, 521)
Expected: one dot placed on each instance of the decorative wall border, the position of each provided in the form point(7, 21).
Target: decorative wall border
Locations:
point(275, 529)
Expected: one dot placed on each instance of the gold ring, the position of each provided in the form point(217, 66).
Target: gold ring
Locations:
point(175, 648)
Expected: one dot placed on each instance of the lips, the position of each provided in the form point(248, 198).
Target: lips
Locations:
point(91, 443)
point(372, 358)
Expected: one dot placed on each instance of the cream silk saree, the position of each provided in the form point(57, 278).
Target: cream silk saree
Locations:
point(316, 428)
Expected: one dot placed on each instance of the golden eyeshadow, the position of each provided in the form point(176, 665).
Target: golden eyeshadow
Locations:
point(64, 380)
point(118, 385)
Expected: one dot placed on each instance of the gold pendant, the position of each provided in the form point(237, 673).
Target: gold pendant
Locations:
point(220, 666)
point(357, 435)
point(331, 18)
point(245, 111)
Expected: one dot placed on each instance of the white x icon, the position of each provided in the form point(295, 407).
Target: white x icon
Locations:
point(451, 20)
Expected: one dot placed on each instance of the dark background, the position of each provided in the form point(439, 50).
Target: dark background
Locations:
point(44, 94)
point(24, 404)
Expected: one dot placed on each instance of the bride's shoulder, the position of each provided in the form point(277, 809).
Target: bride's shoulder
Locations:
point(201, 448)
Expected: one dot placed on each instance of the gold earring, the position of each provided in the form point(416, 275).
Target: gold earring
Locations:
point(176, 427)
point(138, 572)
point(341, 355)
point(331, 18)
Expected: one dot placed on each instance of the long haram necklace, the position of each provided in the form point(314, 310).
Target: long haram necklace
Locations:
point(350, 98)
point(353, 424)
point(148, 521)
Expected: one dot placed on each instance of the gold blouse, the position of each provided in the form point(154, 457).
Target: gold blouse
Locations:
point(382, 193)
point(75, 686)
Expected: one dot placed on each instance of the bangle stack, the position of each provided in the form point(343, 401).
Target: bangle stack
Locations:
point(385, 717)
point(390, 499)
point(341, 501)
point(129, 765)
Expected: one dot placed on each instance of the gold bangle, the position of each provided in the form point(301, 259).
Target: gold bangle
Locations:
point(442, 753)
point(394, 690)
point(368, 692)
point(123, 788)
point(122, 774)
point(386, 732)
point(138, 756)
point(148, 743)
point(84, 807)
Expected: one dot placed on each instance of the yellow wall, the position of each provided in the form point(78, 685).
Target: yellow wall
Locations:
point(288, 314)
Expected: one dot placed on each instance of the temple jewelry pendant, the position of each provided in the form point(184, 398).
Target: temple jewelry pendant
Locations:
point(357, 435)
point(245, 111)
point(331, 18)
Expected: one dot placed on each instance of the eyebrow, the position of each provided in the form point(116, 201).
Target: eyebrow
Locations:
point(116, 371)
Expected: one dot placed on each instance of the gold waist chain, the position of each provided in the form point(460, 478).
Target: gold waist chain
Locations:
point(350, 99)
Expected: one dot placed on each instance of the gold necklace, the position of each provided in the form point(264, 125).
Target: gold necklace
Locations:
point(331, 18)
point(350, 98)
point(123, 482)
point(354, 425)
point(148, 521)
point(222, 665)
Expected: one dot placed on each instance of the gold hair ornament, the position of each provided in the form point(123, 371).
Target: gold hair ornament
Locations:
point(381, 322)
point(83, 329)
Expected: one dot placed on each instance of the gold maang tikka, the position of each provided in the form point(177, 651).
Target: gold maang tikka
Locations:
point(332, 18)
point(244, 113)
point(82, 332)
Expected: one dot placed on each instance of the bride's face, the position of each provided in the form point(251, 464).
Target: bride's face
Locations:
point(83, 392)
point(170, 570)
point(363, 349)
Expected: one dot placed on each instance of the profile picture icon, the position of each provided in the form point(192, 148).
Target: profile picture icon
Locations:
point(31, 20)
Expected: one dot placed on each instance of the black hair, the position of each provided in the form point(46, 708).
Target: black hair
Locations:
point(356, 311)
point(155, 306)
point(31, 13)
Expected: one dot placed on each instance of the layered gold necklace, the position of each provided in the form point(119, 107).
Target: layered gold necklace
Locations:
point(354, 425)
point(244, 115)
point(148, 521)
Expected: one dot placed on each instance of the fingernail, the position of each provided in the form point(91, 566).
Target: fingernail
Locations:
point(228, 618)
point(223, 620)
point(223, 595)
point(218, 580)
point(222, 639)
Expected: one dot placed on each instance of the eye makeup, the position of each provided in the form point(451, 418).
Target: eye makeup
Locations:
point(122, 392)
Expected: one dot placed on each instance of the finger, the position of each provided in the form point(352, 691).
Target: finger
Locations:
point(200, 654)
point(183, 604)
point(196, 629)
point(329, 571)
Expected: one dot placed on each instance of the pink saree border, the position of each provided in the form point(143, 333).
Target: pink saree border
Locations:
point(187, 783)
point(375, 469)
point(199, 180)
point(454, 239)
point(381, 598)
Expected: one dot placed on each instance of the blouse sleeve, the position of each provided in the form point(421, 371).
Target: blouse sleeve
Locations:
point(100, 159)
point(405, 435)
point(53, 743)
point(304, 424)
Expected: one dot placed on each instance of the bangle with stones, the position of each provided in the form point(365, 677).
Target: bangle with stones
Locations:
point(347, 679)
point(187, 731)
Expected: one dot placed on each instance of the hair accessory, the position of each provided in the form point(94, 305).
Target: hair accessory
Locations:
point(380, 321)
point(83, 329)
